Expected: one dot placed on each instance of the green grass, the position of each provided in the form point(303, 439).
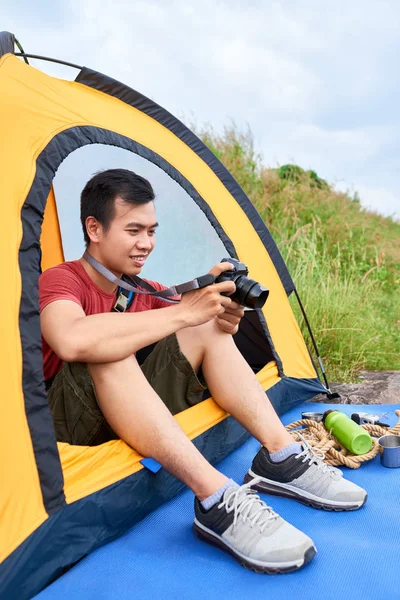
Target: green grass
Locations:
point(344, 260)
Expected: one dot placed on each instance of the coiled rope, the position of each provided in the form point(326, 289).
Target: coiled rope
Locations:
point(335, 454)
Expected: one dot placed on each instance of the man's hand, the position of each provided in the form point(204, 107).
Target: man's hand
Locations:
point(229, 320)
point(203, 305)
point(200, 306)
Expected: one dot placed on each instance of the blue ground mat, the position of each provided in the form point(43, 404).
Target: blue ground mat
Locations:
point(358, 552)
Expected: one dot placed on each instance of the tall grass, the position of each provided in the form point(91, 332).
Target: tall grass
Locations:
point(344, 260)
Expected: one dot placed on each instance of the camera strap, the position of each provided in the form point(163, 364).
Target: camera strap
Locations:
point(139, 286)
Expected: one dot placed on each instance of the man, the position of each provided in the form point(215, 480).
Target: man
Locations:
point(99, 391)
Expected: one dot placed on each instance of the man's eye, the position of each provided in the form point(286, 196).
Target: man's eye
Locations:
point(132, 230)
point(152, 232)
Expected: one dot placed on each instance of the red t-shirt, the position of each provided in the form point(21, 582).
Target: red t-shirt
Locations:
point(69, 281)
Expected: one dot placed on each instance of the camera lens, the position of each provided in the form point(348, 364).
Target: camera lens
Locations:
point(249, 292)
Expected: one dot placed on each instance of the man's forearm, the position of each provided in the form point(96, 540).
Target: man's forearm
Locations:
point(109, 337)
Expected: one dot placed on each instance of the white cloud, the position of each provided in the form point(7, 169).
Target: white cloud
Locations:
point(315, 147)
point(314, 80)
point(380, 200)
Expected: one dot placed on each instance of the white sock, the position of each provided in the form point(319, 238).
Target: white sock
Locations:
point(279, 456)
point(209, 502)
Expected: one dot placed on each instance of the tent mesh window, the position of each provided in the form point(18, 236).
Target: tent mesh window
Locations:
point(187, 242)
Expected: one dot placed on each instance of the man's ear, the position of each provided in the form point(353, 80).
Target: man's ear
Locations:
point(93, 228)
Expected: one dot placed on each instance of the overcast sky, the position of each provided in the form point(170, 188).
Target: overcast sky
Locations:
point(316, 81)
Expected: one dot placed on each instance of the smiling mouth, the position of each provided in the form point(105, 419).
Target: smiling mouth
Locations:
point(139, 259)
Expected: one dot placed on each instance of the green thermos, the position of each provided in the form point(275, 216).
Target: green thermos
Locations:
point(353, 437)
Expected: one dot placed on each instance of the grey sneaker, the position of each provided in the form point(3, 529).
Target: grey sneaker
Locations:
point(306, 478)
point(253, 533)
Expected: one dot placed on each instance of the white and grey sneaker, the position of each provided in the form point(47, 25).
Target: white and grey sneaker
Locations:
point(253, 533)
point(306, 478)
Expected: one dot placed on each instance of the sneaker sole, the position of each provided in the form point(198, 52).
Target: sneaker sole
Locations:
point(269, 487)
point(263, 568)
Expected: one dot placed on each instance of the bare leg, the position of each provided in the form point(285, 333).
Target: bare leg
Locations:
point(138, 415)
point(233, 384)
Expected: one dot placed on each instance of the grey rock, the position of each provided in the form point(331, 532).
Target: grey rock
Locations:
point(374, 387)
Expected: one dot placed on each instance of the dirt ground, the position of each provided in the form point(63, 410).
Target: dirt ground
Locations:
point(374, 387)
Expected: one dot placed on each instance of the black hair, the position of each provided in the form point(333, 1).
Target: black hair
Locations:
point(98, 195)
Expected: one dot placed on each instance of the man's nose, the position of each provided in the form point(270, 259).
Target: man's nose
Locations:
point(145, 242)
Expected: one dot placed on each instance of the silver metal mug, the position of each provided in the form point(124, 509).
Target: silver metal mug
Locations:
point(390, 450)
point(313, 416)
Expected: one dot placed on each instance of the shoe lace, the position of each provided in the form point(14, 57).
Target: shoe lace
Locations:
point(247, 504)
point(316, 456)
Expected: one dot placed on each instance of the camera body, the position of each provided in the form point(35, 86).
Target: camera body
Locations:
point(248, 292)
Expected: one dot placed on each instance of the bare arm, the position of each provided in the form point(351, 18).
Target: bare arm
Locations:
point(109, 337)
point(106, 337)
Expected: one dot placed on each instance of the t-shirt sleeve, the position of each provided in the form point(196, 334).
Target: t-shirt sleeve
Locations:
point(59, 283)
point(158, 302)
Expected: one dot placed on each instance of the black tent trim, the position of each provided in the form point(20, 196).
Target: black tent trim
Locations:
point(7, 41)
point(276, 356)
point(36, 407)
point(129, 96)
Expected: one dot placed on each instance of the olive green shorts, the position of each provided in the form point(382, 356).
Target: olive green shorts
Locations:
point(72, 397)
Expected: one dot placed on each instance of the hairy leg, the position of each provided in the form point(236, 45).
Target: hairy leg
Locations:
point(232, 383)
point(139, 416)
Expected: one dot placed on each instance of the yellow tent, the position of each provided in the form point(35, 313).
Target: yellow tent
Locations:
point(59, 502)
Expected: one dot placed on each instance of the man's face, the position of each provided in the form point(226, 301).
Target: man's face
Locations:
point(130, 238)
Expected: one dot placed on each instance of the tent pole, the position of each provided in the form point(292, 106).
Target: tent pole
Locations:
point(54, 60)
point(16, 42)
point(331, 395)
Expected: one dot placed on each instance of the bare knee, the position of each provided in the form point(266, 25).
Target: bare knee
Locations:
point(198, 335)
point(193, 342)
point(112, 370)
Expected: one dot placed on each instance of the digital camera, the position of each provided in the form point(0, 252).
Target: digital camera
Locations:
point(248, 292)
